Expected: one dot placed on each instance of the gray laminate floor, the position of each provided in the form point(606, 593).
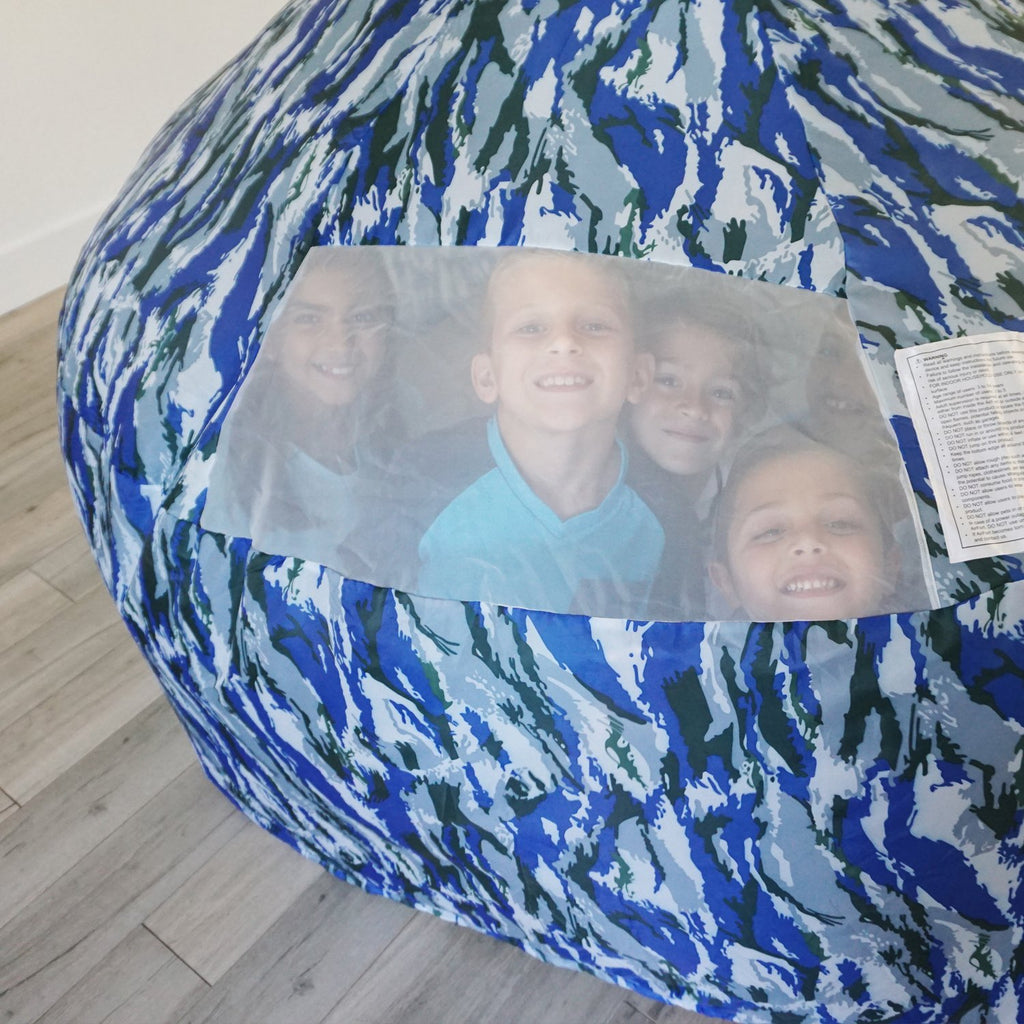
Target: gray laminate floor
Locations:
point(130, 890)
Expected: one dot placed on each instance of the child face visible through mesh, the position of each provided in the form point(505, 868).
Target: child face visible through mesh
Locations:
point(686, 418)
point(561, 353)
point(803, 541)
point(331, 335)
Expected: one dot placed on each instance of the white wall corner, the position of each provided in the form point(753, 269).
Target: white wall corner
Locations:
point(86, 86)
point(32, 266)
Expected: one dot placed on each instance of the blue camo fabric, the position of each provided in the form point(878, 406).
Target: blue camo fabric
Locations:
point(813, 822)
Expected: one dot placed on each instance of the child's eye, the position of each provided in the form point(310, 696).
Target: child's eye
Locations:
point(529, 328)
point(667, 380)
point(843, 526)
point(723, 393)
point(767, 534)
point(306, 319)
point(596, 327)
point(368, 319)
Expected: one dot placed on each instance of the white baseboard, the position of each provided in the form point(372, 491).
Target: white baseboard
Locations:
point(38, 263)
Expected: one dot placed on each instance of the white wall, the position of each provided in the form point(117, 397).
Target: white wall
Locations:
point(84, 86)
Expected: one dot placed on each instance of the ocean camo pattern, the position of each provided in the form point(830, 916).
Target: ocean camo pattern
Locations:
point(809, 822)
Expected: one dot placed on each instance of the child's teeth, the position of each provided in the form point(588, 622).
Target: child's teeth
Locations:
point(799, 586)
point(563, 380)
point(841, 404)
point(333, 371)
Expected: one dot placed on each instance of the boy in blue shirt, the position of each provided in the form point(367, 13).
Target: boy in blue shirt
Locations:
point(544, 518)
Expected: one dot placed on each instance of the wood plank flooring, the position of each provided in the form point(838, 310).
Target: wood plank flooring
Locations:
point(131, 891)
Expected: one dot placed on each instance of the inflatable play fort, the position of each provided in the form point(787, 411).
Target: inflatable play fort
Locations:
point(564, 462)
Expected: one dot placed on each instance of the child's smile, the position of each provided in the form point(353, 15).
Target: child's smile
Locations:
point(803, 542)
point(330, 337)
point(685, 419)
point(564, 382)
point(845, 406)
point(840, 401)
point(336, 364)
point(561, 354)
point(810, 585)
point(693, 432)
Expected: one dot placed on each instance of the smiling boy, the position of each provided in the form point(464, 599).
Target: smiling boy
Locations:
point(688, 416)
point(800, 536)
point(684, 428)
point(550, 522)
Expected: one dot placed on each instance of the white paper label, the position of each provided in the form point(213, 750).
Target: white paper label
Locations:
point(966, 399)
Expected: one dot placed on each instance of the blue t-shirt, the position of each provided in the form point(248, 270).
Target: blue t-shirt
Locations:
point(498, 542)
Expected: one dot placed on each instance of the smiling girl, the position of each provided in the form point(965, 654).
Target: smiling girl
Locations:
point(314, 414)
point(800, 535)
